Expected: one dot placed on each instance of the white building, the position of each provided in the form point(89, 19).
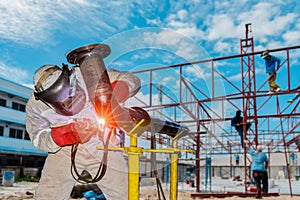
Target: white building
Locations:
point(16, 151)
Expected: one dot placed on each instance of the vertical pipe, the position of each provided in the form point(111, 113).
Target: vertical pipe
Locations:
point(180, 84)
point(288, 69)
point(285, 151)
point(133, 171)
point(230, 153)
point(210, 174)
point(212, 80)
point(269, 155)
point(174, 173)
point(206, 173)
point(153, 154)
point(198, 162)
point(150, 89)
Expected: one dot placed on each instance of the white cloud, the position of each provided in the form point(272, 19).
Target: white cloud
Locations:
point(22, 20)
point(224, 47)
point(184, 22)
point(167, 79)
point(260, 70)
point(221, 26)
point(187, 51)
point(182, 14)
point(267, 20)
point(143, 55)
point(31, 22)
point(292, 37)
point(177, 43)
point(155, 22)
point(236, 77)
point(15, 74)
point(164, 37)
point(198, 72)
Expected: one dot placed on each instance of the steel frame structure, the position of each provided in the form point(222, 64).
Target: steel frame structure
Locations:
point(275, 122)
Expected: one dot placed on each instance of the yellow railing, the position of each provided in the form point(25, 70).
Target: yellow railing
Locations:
point(133, 152)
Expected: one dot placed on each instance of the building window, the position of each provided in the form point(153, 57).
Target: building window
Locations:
point(1, 130)
point(29, 163)
point(3, 102)
point(26, 137)
point(15, 133)
point(17, 106)
point(13, 162)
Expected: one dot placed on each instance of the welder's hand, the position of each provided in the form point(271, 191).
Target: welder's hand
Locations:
point(79, 131)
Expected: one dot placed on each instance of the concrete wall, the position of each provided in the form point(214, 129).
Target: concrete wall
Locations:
point(222, 167)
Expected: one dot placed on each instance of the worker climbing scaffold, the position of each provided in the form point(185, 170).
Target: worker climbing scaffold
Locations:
point(237, 123)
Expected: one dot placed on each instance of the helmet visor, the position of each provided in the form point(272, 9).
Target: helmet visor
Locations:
point(64, 96)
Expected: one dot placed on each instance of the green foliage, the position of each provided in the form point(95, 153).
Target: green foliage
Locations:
point(27, 179)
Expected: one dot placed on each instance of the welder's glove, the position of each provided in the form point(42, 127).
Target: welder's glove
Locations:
point(76, 132)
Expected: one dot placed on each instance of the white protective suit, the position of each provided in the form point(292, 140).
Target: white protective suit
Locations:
point(56, 181)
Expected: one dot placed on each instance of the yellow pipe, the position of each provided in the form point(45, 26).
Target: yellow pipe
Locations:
point(133, 170)
point(174, 173)
point(112, 148)
point(141, 150)
point(168, 150)
point(134, 164)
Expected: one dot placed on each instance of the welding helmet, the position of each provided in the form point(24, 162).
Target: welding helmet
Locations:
point(58, 88)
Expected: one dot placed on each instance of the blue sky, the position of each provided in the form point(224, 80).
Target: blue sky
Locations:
point(34, 33)
point(144, 34)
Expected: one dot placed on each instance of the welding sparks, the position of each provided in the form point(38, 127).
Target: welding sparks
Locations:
point(102, 123)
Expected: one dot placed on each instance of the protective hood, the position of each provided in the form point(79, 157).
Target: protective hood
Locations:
point(64, 96)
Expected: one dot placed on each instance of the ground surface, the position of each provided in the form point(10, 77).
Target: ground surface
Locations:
point(25, 190)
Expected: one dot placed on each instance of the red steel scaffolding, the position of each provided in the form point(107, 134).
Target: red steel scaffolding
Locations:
point(207, 112)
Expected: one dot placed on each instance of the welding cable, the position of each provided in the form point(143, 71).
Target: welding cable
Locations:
point(102, 166)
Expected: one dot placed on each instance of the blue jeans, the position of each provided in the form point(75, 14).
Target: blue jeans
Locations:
point(240, 132)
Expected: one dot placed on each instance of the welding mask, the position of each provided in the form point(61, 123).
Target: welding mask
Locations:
point(58, 88)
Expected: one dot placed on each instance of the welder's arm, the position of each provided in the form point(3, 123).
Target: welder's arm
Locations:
point(51, 139)
point(38, 127)
point(75, 132)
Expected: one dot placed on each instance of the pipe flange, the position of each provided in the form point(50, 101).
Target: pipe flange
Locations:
point(77, 55)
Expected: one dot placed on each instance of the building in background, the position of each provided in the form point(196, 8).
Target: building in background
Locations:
point(16, 151)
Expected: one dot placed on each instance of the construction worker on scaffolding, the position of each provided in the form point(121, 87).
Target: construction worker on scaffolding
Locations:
point(237, 122)
point(272, 64)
